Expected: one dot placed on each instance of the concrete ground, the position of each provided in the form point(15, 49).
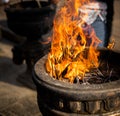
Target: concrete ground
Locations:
point(16, 98)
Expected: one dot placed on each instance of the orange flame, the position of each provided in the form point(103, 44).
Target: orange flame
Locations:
point(111, 44)
point(69, 57)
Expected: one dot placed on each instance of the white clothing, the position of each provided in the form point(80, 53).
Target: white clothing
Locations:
point(89, 12)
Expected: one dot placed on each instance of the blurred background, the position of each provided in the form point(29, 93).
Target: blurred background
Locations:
point(17, 91)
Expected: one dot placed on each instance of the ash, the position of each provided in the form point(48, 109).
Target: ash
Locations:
point(98, 76)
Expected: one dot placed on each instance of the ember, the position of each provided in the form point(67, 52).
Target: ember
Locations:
point(68, 58)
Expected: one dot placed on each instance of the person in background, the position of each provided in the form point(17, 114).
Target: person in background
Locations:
point(94, 16)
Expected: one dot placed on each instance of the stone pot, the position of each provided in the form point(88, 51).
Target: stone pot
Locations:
point(57, 98)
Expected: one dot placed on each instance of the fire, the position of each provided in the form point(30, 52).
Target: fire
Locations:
point(111, 44)
point(70, 56)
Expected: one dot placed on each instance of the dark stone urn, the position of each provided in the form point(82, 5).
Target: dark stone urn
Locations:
point(57, 98)
point(27, 19)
